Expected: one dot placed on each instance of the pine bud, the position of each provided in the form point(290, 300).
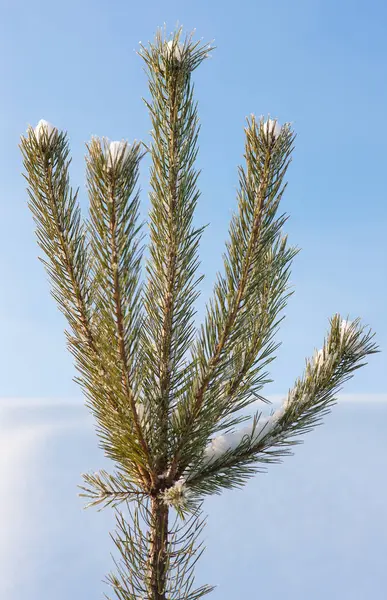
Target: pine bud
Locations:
point(117, 150)
point(271, 128)
point(44, 130)
point(174, 50)
point(177, 495)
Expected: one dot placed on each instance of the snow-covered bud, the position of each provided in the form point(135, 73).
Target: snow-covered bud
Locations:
point(44, 130)
point(177, 495)
point(116, 151)
point(271, 128)
point(174, 50)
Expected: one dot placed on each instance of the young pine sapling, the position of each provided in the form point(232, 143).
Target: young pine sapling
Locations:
point(167, 398)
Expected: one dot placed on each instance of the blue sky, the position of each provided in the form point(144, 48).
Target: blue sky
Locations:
point(321, 64)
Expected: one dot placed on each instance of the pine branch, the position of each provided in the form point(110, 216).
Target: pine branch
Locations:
point(171, 287)
point(255, 351)
point(108, 490)
point(60, 233)
point(112, 175)
point(62, 237)
point(256, 272)
point(230, 462)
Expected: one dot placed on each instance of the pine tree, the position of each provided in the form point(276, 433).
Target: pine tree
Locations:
point(167, 399)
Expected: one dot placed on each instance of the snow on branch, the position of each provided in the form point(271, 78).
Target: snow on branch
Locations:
point(118, 150)
point(271, 127)
point(257, 431)
point(254, 433)
point(44, 128)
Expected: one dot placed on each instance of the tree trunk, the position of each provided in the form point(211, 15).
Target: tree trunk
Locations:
point(158, 550)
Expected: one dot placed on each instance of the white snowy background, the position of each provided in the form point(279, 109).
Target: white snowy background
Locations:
point(313, 527)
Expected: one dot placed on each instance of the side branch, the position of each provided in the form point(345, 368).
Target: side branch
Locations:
point(230, 459)
point(112, 177)
point(240, 294)
point(121, 333)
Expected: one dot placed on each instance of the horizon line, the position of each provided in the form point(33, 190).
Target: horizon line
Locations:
point(25, 401)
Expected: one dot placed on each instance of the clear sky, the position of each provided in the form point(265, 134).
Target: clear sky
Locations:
point(321, 64)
